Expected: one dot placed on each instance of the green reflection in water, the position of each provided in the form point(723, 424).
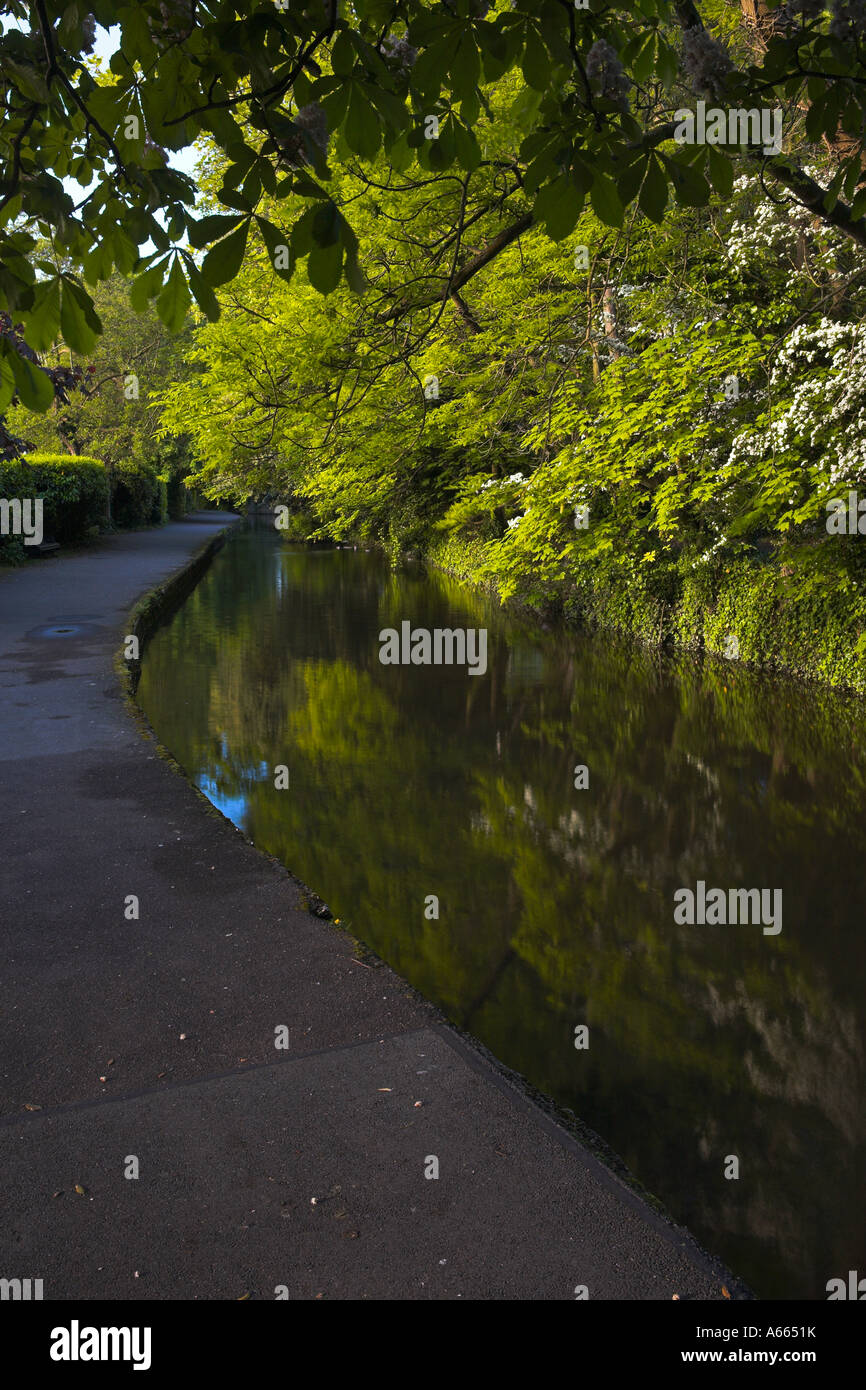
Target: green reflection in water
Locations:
point(556, 905)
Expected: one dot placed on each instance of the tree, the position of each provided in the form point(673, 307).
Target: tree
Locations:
point(113, 416)
point(272, 84)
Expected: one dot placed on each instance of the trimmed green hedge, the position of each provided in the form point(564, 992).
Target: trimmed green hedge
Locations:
point(73, 489)
point(75, 493)
point(135, 495)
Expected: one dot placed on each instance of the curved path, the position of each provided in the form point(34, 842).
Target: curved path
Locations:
point(153, 1039)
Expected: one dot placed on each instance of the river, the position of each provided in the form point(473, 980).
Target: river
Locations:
point(422, 790)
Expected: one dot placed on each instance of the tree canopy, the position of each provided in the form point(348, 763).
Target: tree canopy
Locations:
point(278, 86)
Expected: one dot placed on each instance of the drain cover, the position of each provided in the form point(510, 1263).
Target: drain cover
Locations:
point(63, 627)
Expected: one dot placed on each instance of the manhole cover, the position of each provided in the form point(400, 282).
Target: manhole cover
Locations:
point(62, 627)
point(66, 631)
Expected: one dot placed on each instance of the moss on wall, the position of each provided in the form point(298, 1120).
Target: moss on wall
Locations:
point(785, 614)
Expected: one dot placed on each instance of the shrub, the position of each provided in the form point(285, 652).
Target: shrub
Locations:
point(178, 497)
point(135, 499)
point(14, 482)
point(159, 515)
point(74, 490)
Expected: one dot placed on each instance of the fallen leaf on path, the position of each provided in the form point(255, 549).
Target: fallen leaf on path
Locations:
point(28, 1106)
point(79, 1189)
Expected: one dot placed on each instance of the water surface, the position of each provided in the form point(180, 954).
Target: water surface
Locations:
point(556, 904)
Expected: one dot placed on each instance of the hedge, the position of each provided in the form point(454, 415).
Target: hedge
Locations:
point(73, 489)
point(136, 495)
point(75, 493)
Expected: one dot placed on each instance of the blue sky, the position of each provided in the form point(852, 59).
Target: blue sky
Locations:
point(106, 44)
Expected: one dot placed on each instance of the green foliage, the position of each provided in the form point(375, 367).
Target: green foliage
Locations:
point(698, 388)
point(138, 496)
point(280, 93)
point(74, 492)
point(15, 482)
point(459, 281)
point(113, 415)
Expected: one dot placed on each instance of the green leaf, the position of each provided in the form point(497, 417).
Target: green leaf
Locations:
point(173, 303)
point(278, 244)
point(465, 66)
point(721, 172)
point(400, 156)
point(535, 62)
point(653, 196)
point(354, 274)
point(342, 54)
point(558, 205)
point(468, 149)
point(79, 334)
point(644, 62)
point(429, 71)
point(302, 233)
point(815, 119)
point(335, 103)
point(324, 265)
point(42, 320)
point(209, 229)
point(494, 50)
point(204, 295)
point(145, 286)
point(606, 201)
point(690, 186)
point(628, 180)
point(224, 260)
point(327, 224)
point(7, 376)
point(34, 388)
point(98, 263)
point(362, 129)
point(665, 63)
point(233, 198)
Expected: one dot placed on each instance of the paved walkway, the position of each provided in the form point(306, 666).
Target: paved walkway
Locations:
point(153, 1040)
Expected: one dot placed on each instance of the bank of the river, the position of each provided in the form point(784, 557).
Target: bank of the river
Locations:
point(153, 1036)
point(785, 614)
